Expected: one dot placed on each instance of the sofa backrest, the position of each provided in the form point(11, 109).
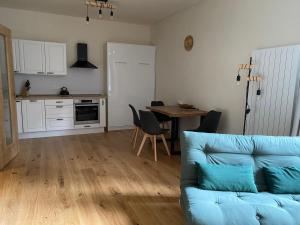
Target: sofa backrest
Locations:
point(258, 151)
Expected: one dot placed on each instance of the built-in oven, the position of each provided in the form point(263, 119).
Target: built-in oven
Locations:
point(86, 112)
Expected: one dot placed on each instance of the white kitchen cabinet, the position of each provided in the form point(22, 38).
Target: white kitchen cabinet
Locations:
point(103, 112)
point(59, 114)
point(39, 58)
point(33, 112)
point(16, 55)
point(19, 117)
point(32, 57)
point(55, 58)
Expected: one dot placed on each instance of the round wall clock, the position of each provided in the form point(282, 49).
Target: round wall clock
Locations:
point(188, 43)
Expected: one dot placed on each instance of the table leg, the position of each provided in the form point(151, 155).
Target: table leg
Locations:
point(174, 134)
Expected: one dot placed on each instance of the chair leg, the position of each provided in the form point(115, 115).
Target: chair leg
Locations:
point(142, 144)
point(165, 144)
point(154, 148)
point(135, 138)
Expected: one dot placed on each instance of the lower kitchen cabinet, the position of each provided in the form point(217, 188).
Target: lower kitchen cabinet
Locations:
point(19, 117)
point(60, 124)
point(33, 115)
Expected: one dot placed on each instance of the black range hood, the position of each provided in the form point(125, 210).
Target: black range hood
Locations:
point(82, 58)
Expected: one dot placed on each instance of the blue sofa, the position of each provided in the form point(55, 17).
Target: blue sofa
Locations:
point(202, 207)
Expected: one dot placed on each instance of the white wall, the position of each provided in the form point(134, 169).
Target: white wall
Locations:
point(71, 30)
point(225, 33)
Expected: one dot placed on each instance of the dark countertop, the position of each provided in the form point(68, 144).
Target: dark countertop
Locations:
point(45, 97)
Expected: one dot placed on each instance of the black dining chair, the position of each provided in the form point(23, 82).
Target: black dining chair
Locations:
point(151, 129)
point(210, 123)
point(162, 119)
point(137, 125)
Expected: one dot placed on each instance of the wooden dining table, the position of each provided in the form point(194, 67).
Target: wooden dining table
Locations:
point(175, 113)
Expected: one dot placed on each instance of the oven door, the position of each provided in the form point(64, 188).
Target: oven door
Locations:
point(87, 113)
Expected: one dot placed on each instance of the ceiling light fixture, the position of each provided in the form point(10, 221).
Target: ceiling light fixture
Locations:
point(87, 19)
point(101, 4)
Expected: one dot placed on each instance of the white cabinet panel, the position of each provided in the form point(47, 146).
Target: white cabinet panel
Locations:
point(33, 115)
point(55, 58)
point(56, 102)
point(59, 111)
point(103, 112)
point(32, 57)
point(131, 80)
point(59, 124)
point(16, 55)
point(19, 117)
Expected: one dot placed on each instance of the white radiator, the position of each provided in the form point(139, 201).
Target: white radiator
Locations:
point(272, 112)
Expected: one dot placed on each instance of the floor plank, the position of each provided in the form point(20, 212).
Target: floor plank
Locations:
point(90, 179)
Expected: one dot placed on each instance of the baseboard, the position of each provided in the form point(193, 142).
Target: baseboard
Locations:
point(120, 128)
point(60, 133)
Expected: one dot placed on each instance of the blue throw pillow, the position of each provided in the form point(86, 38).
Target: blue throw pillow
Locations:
point(282, 180)
point(226, 178)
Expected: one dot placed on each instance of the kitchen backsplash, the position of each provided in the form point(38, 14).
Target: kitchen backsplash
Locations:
point(78, 81)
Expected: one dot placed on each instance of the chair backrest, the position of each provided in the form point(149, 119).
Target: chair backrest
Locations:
point(136, 119)
point(157, 103)
point(211, 122)
point(257, 151)
point(149, 123)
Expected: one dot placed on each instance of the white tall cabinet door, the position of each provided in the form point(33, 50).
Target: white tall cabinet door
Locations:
point(16, 55)
point(33, 115)
point(131, 80)
point(19, 117)
point(55, 58)
point(32, 56)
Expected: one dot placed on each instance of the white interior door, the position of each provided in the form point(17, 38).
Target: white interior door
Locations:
point(131, 80)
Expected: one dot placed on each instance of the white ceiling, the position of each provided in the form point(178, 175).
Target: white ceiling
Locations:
point(136, 11)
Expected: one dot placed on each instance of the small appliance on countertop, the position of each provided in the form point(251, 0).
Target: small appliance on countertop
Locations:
point(64, 91)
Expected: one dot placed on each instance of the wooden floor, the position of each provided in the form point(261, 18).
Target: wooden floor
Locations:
point(90, 180)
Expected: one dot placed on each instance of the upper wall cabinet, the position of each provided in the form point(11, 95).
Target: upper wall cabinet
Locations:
point(40, 58)
point(32, 55)
point(16, 55)
point(55, 58)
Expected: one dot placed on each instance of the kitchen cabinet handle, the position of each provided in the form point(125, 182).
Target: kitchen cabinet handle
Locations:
point(16, 71)
point(59, 119)
point(87, 126)
point(50, 73)
point(59, 106)
point(40, 72)
point(33, 100)
point(59, 102)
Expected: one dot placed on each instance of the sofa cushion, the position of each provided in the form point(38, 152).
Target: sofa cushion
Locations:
point(257, 151)
point(226, 178)
point(204, 207)
point(282, 180)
